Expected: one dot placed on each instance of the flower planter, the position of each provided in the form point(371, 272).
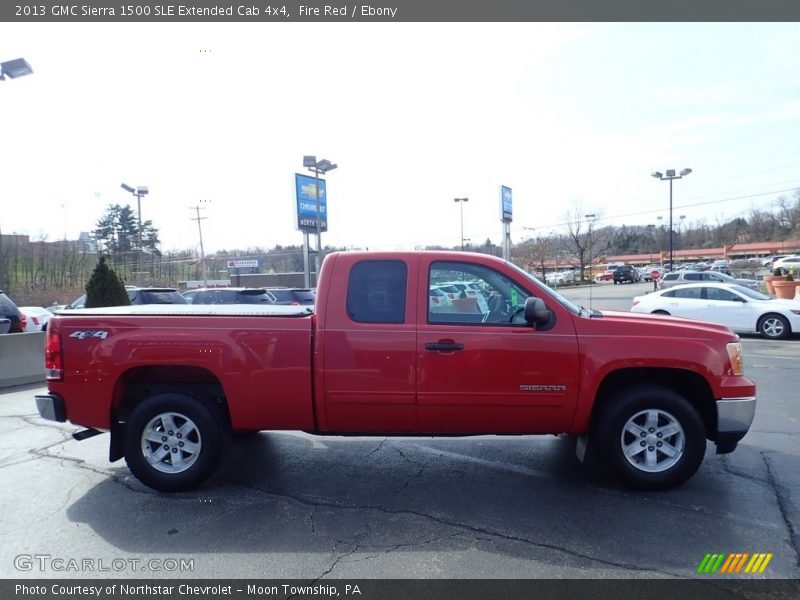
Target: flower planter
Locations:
point(785, 289)
point(768, 279)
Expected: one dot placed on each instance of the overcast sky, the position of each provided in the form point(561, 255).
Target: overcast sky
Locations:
point(573, 117)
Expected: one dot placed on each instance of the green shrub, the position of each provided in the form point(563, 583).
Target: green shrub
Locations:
point(105, 288)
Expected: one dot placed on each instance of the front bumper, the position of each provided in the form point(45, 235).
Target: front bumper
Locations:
point(734, 417)
point(51, 407)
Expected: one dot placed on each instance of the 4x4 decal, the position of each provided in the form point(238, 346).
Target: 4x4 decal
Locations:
point(82, 335)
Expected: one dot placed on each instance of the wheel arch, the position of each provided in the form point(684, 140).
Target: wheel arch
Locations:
point(690, 385)
point(139, 383)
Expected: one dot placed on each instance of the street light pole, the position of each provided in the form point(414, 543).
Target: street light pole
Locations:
point(461, 203)
point(138, 192)
point(202, 251)
point(317, 167)
point(670, 174)
point(590, 218)
point(13, 69)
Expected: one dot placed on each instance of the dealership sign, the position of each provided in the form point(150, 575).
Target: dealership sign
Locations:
point(243, 264)
point(306, 203)
point(505, 204)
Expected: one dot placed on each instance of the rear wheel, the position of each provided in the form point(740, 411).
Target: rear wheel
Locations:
point(173, 442)
point(660, 312)
point(774, 326)
point(651, 437)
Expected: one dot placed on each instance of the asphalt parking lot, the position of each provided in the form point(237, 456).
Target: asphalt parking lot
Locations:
point(290, 505)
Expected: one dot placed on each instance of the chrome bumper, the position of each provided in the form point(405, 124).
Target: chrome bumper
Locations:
point(734, 417)
point(51, 407)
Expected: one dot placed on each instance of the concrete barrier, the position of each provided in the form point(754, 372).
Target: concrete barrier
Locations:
point(21, 358)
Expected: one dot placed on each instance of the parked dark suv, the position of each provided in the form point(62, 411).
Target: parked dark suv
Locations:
point(9, 310)
point(625, 273)
point(137, 295)
point(293, 296)
point(231, 295)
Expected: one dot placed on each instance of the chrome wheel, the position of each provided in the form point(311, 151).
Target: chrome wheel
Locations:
point(171, 442)
point(653, 440)
point(774, 327)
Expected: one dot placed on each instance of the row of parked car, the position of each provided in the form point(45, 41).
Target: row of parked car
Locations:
point(22, 319)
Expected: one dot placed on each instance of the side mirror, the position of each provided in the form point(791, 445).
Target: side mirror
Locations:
point(536, 311)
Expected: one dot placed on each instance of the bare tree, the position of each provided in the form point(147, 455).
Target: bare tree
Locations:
point(585, 242)
point(533, 254)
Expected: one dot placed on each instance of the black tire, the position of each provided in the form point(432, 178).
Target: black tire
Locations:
point(774, 326)
point(669, 427)
point(194, 442)
point(660, 312)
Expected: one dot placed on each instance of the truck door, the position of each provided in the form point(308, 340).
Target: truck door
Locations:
point(487, 371)
point(368, 347)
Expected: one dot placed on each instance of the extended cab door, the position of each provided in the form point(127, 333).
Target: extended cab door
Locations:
point(488, 371)
point(366, 349)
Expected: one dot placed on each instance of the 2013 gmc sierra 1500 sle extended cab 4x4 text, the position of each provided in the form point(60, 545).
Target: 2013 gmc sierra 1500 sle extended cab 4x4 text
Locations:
point(376, 356)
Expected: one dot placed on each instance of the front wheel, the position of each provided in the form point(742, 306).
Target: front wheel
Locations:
point(172, 442)
point(651, 437)
point(774, 327)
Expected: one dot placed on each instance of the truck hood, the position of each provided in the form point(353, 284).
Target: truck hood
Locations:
point(631, 324)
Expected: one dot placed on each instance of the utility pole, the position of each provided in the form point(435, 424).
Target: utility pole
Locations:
point(198, 218)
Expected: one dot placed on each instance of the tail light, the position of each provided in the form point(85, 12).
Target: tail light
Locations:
point(23, 322)
point(35, 321)
point(53, 364)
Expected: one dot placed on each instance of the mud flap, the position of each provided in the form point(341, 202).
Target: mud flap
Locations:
point(116, 447)
point(582, 447)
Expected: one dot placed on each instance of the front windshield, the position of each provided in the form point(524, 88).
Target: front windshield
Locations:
point(751, 293)
point(566, 303)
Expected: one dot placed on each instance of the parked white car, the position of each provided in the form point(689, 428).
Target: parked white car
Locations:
point(787, 262)
point(438, 298)
point(37, 317)
point(560, 277)
point(682, 277)
point(742, 309)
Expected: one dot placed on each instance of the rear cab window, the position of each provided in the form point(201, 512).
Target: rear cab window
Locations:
point(376, 291)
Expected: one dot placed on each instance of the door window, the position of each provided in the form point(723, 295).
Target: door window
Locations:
point(689, 293)
point(720, 294)
point(497, 299)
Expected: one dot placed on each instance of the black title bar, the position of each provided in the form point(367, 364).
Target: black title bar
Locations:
point(399, 11)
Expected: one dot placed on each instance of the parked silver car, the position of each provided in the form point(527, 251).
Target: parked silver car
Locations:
point(678, 277)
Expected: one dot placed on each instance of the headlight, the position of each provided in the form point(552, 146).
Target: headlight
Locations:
point(735, 356)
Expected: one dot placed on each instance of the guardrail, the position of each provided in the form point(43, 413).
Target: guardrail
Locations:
point(21, 358)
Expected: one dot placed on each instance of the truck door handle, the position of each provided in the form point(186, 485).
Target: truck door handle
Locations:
point(444, 346)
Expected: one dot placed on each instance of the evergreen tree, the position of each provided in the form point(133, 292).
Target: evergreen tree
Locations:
point(105, 288)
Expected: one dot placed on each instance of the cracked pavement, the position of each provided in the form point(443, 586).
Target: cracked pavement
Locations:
point(291, 505)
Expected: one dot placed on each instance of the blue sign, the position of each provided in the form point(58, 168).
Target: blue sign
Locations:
point(307, 203)
point(505, 204)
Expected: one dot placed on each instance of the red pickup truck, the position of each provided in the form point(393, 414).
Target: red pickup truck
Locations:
point(375, 356)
